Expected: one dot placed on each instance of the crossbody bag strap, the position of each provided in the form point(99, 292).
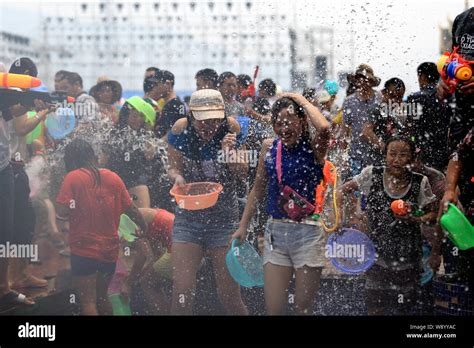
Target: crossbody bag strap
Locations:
point(278, 162)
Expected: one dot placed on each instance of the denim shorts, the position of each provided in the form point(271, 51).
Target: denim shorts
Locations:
point(84, 266)
point(208, 235)
point(294, 244)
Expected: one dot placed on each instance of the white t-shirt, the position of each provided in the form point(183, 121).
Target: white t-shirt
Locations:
point(425, 196)
point(4, 144)
point(18, 148)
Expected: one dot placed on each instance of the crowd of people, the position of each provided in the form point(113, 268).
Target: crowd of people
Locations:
point(124, 156)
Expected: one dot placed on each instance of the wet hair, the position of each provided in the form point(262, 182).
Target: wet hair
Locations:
point(404, 139)
point(396, 82)
point(60, 75)
point(286, 102)
point(244, 80)
point(224, 76)
point(79, 154)
point(351, 88)
point(149, 83)
point(164, 76)
point(24, 66)
point(208, 75)
point(268, 86)
point(429, 70)
point(71, 77)
point(309, 93)
point(154, 69)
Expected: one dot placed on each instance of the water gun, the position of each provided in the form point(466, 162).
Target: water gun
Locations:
point(10, 97)
point(401, 208)
point(19, 81)
point(454, 69)
point(329, 177)
point(250, 90)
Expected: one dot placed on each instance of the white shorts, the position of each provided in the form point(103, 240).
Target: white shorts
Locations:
point(294, 244)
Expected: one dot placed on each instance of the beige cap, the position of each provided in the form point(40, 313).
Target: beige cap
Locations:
point(366, 71)
point(207, 104)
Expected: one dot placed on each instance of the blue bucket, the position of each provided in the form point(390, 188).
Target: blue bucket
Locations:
point(245, 265)
point(331, 87)
point(244, 123)
point(350, 251)
point(61, 123)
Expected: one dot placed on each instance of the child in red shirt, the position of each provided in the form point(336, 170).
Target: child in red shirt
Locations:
point(92, 200)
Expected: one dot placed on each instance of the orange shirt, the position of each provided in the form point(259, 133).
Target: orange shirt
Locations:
point(94, 212)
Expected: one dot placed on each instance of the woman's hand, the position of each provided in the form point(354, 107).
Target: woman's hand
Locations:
point(298, 98)
point(229, 142)
point(179, 181)
point(239, 235)
point(449, 197)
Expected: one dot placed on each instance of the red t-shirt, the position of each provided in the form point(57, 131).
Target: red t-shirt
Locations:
point(160, 230)
point(94, 212)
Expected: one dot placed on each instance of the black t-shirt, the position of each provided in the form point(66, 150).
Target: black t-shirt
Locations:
point(172, 112)
point(262, 106)
point(465, 154)
point(463, 36)
point(463, 33)
point(430, 121)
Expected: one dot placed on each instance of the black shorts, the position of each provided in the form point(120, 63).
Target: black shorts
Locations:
point(7, 200)
point(84, 266)
point(24, 214)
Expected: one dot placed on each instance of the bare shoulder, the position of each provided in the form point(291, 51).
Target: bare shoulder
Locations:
point(179, 126)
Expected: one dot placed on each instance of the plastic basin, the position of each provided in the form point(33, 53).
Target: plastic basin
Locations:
point(197, 196)
point(245, 265)
point(351, 251)
point(60, 123)
point(459, 229)
point(127, 228)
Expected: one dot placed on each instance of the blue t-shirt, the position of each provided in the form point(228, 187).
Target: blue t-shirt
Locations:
point(299, 171)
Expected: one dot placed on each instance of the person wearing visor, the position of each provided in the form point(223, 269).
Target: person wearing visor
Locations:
point(129, 148)
point(196, 144)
